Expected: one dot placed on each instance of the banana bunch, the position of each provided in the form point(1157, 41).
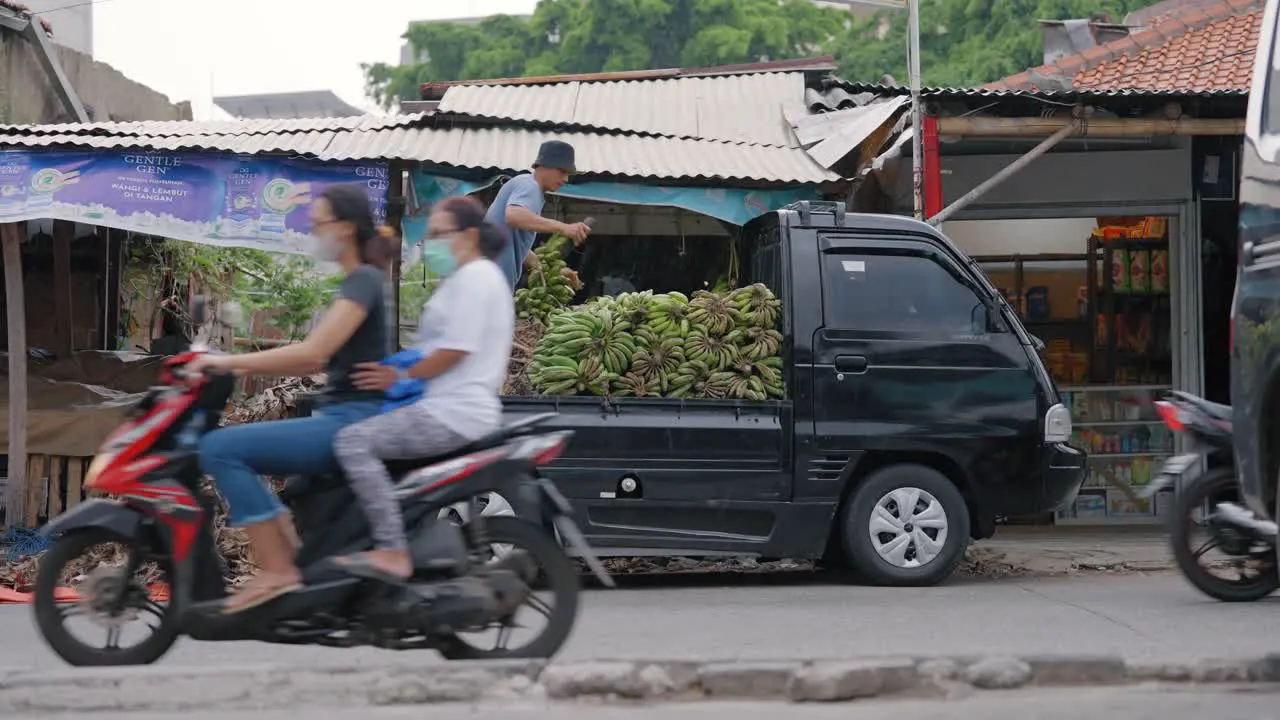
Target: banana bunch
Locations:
point(714, 351)
point(566, 376)
point(758, 343)
point(714, 312)
point(611, 340)
point(634, 385)
point(657, 359)
point(695, 380)
point(547, 289)
point(756, 380)
point(669, 316)
point(719, 344)
point(757, 305)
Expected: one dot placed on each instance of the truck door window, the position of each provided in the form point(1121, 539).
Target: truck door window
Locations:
point(911, 293)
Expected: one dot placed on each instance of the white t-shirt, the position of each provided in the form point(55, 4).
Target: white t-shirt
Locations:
point(472, 311)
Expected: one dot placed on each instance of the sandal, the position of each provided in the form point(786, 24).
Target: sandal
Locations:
point(256, 593)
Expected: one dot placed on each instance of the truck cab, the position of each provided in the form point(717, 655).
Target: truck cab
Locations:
point(918, 412)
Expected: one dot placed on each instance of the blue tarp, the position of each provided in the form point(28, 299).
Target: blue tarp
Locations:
point(737, 206)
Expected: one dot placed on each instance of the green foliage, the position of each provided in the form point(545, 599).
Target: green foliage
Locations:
point(571, 36)
point(290, 285)
point(963, 42)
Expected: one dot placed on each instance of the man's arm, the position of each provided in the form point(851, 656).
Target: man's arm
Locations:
point(530, 261)
point(525, 219)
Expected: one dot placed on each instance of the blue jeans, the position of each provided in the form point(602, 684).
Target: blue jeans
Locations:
point(237, 457)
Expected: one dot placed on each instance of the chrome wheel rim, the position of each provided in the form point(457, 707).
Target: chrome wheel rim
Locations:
point(908, 527)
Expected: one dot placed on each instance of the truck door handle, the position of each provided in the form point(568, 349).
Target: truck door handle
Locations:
point(855, 364)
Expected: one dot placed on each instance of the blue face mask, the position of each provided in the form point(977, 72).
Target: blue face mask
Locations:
point(438, 256)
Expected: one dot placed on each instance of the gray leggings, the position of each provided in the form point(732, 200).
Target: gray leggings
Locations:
point(361, 447)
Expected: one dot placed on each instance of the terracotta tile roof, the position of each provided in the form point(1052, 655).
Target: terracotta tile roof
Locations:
point(1195, 49)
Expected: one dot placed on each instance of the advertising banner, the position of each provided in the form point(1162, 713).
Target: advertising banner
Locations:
point(234, 201)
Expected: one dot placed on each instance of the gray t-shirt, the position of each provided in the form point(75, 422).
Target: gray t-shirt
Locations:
point(364, 286)
point(522, 190)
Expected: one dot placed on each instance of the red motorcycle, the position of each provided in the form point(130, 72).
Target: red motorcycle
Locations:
point(467, 579)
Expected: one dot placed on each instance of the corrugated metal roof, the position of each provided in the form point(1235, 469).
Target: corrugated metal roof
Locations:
point(824, 63)
point(844, 94)
point(748, 109)
point(631, 156)
point(177, 128)
point(312, 144)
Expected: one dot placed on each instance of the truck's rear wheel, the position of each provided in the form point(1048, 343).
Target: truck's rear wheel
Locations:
point(905, 525)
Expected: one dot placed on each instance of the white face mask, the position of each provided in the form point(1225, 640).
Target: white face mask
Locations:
point(325, 247)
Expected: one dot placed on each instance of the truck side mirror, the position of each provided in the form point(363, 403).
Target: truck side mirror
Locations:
point(980, 319)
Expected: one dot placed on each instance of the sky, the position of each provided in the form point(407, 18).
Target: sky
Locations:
point(195, 49)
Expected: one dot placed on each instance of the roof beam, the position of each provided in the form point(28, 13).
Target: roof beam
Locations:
point(34, 32)
point(1066, 130)
point(1033, 127)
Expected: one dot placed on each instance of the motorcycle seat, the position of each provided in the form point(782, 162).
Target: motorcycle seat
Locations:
point(401, 467)
point(1217, 411)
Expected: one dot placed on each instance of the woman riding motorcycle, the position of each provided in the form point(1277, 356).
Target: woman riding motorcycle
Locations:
point(464, 340)
point(353, 330)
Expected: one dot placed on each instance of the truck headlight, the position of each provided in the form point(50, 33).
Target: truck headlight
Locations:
point(1057, 424)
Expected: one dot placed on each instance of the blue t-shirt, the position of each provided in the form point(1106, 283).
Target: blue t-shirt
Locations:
point(523, 191)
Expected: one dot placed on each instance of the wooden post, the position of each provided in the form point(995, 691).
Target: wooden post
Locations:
point(396, 204)
point(12, 235)
point(63, 231)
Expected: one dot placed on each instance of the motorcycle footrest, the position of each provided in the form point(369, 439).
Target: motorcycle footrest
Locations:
point(1245, 520)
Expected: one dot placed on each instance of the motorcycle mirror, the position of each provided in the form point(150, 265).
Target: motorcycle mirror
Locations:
point(231, 314)
point(199, 310)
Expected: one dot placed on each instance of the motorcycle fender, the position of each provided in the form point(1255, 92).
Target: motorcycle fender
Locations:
point(110, 515)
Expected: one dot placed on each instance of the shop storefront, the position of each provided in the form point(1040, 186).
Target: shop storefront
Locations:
point(1098, 253)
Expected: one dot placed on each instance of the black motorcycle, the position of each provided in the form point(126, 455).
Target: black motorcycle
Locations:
point(1211, 500)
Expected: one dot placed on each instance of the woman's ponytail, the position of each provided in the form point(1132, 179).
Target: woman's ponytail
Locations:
point(492, 241)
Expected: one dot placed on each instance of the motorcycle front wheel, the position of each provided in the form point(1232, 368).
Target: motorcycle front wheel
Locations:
point(110, 598)
point(1199, 498)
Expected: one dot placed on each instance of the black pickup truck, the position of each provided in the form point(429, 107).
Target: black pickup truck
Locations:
point(918, 413)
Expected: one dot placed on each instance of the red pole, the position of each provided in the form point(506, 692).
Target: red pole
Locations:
point(932, 168)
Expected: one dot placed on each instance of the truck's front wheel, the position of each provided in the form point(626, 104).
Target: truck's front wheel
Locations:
point(905, 525)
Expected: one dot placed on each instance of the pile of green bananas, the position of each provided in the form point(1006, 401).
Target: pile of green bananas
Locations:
point(718, 345)
point(547, 288)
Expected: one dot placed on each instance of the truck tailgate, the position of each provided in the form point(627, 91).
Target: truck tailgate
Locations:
point(675, 449)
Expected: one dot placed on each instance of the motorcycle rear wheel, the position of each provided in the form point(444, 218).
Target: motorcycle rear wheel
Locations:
point(1214, 486)
point(559, 576)
point(51, 618)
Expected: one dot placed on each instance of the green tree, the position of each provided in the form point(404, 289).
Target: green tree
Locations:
point(571, 36)
point(289, 285)
point(963, 43)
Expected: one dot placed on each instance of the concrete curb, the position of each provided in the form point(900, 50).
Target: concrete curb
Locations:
point(276, 687)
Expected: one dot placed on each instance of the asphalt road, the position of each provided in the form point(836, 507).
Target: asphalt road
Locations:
point(1133, 703)
point(1142, 617)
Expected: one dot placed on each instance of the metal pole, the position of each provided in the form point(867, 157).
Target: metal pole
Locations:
point(917, 114)
point(1045, 146)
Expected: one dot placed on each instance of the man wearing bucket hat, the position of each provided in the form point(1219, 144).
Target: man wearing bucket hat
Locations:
point(517, 211)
